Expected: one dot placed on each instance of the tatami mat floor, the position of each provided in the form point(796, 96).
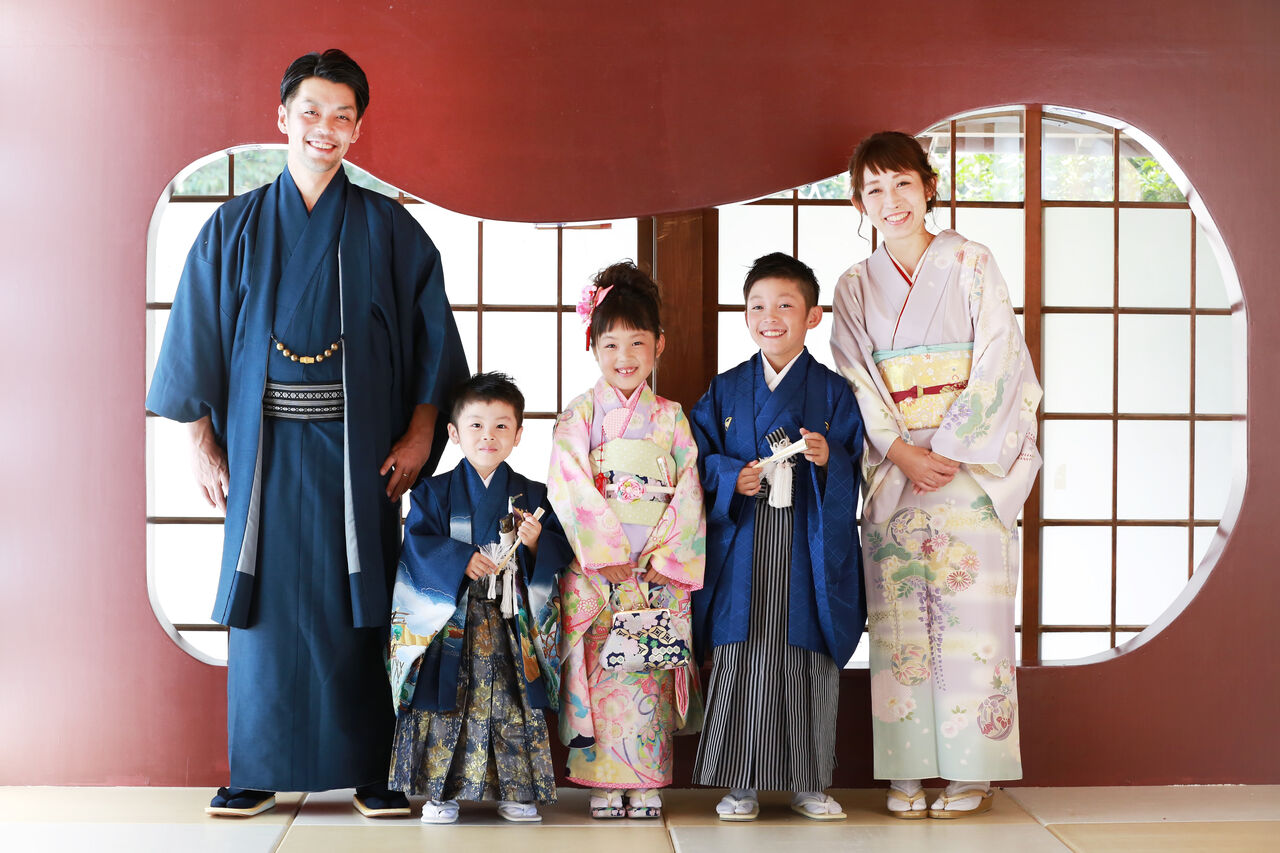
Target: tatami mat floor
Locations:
point(1026, 820)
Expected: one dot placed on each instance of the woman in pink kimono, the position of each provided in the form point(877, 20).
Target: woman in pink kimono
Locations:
point(624, 481)
point(926, 334)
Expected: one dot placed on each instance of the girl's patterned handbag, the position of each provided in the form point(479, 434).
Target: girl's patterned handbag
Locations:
point(644, 640)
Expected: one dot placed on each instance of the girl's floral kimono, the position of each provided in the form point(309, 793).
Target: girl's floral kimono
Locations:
point(939, 362)
point(624, 482)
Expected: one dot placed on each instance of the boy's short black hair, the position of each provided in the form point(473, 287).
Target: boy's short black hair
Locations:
point(487, 388)
point(782, 265)
point(332, 65)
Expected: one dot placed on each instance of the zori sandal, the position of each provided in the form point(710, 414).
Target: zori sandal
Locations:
point(440, 811)
point(240, 802)
point(941, 808)
point(518, 812)
point(738, 808)
point(908, 809)
point(644, 804)
point(607, 805)
point(816, 806)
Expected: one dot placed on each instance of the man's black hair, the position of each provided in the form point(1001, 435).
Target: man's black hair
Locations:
point(781, 265)
point(332, 65)
point(487, 388)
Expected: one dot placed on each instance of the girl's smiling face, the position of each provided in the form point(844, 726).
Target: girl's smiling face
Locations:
point(895, 202)
point(627, 356)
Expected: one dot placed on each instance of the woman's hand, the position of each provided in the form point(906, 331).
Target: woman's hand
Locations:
point(928, 471)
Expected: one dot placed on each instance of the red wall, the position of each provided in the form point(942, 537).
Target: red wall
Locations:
point(558, 112)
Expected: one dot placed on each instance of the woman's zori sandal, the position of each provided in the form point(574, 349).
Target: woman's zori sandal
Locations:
point(816, 805)
point(961, 800)
point(906, 800)
point(518, 812)
point(607, 805)
point(740, 804)
point(644, 803)
point(440, 811)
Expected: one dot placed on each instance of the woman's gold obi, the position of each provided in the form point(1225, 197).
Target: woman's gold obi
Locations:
point(924, 381)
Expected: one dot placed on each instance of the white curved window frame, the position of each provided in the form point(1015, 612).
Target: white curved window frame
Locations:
point(507, 282)
point(1130, 593)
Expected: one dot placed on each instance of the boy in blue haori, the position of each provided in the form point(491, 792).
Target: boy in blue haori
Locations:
point(782, 607)
point(470, 670)
point(310, 347)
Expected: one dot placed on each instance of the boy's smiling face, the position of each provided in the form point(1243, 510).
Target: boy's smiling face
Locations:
point(487, 432)
point(778, 319)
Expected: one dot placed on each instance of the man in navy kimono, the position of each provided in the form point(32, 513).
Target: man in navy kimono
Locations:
point(310, 347)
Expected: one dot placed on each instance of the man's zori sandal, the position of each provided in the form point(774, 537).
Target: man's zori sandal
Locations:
point(906, 808)
point(440, 811)
point(738, 808)
point(518, 812)
point(379, 801)
point(942, 808)
point(240, 802)
point(816, 806)
point(607, 805)
point(644, 804)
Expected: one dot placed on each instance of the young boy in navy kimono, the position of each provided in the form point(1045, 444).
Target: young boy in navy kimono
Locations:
point(782, 605)
point(470, 671)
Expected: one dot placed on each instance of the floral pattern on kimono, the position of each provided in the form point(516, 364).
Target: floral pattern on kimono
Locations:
point(619, 725)
point(941, 567)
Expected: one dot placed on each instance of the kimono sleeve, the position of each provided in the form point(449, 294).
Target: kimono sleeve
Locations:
point(436, 360)
point(851, 347)
point(592, 529)
point(553, 556)
point(677, 547)
point(429, 554)
point(718, 469)
point(992, 418)
point(191, 376)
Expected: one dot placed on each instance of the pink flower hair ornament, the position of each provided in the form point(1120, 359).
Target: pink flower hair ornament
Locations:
point(592, 296)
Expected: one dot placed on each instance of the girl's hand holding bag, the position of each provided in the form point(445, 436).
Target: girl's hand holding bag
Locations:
point(647, 639)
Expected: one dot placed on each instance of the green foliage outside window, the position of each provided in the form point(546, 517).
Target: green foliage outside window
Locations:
point(258, 167)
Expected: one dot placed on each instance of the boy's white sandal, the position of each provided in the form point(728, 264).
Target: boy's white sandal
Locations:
point(437, 811)
point(518, 812)
point(738, 808)
point(817, 806)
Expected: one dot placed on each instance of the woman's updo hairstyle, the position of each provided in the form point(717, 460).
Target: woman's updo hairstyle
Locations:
point(633, 302)
point(892, 151)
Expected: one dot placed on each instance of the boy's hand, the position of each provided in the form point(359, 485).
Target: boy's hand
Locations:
point(617, 574)
point(479, 565)
point(529, 530)
point(817, 450)
point(749, 479)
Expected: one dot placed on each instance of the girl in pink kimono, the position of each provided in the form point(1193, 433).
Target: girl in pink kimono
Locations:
point(624, 480)
point(926, 334)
